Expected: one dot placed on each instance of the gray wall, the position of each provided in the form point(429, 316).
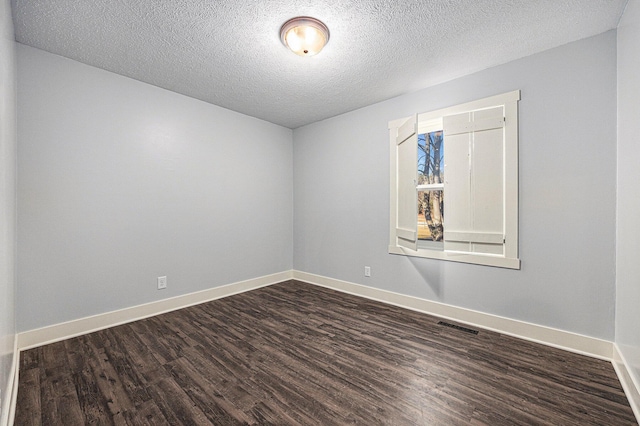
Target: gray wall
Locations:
point(628, 245)
point(120, 182)
point(567, 194)
point(7, 200)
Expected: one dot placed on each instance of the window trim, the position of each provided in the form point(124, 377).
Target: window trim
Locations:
point(510, 259)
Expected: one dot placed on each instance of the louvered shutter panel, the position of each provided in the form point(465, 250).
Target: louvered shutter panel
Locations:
point(407, 167)
point(474, 182)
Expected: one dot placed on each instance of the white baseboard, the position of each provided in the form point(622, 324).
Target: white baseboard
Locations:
point(57, 332)
point(631, 388)
point(10, 397)
point(565, 340)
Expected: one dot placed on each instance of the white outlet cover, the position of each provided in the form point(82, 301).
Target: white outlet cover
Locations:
point(162, 283)
point(367, 271)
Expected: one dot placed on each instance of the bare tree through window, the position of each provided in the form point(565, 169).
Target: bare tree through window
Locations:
point(430, 172)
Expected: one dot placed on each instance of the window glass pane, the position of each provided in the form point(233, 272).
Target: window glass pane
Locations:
point(430, 215)
point(430, 172)
point(430, 158)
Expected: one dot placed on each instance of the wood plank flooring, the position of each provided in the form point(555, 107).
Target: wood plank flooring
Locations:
point(296, 354)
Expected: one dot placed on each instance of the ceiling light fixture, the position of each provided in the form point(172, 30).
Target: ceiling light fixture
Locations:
point(304, 35)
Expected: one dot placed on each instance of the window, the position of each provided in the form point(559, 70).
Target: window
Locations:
point(430, 186)
point(454, 183)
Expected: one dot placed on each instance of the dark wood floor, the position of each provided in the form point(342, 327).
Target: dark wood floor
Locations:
point(295, 354)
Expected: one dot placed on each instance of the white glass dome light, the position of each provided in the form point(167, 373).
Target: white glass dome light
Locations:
point(305, 36)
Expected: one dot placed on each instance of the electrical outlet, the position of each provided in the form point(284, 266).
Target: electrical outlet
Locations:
point(162, 283)
point(367, 271)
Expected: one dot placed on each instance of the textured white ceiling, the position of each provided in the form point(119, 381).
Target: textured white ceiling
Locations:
point(228, 52)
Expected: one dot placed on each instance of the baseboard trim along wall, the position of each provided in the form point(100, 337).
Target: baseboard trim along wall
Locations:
point(572, 342)
point(10, 397)
point(560, 339)
point(631, 389)
point(54, 333)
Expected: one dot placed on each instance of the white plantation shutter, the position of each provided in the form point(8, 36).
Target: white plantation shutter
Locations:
point(480, 188)
point(474, 197)
point(407, 169)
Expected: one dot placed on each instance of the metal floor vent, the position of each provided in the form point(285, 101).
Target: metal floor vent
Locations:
point(457, 327)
